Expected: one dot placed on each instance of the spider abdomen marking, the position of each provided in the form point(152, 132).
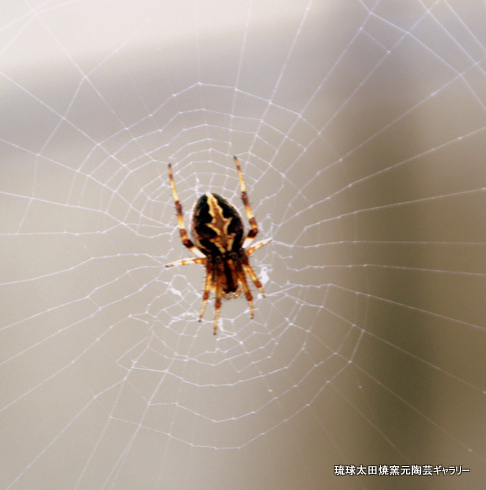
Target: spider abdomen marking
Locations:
point(217, 227)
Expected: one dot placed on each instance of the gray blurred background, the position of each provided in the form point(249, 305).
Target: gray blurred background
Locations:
point(360, 130)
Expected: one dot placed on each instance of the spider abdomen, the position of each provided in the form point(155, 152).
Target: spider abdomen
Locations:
point(217, 228)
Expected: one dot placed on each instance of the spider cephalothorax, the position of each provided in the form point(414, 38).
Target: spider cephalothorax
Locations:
point(219, 241)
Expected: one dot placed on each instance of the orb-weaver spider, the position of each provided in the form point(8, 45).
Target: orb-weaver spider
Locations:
point(219, 241)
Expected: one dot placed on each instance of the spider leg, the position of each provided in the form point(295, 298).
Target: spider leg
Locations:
point(258, 245)
point(242, 278)
point(244, 197)
point(199, 260)
point(180, 217)
point(217, 304)
point(254, 278)
point(207, 287)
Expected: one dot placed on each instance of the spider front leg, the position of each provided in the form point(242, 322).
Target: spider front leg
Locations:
point(244, 197)
point(180, 220)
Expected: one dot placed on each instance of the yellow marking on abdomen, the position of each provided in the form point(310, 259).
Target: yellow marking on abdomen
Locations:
point(223, 240)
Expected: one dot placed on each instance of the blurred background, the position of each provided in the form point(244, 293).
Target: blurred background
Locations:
point(360, 131)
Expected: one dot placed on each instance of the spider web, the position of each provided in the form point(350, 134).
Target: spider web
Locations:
point(360, 130)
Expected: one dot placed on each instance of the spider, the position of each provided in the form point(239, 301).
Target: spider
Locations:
point(220, 244)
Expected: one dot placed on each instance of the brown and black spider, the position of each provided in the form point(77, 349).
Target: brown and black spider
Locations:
point(219, 241)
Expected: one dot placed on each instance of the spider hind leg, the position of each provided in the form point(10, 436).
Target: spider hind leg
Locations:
point(207, 286)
